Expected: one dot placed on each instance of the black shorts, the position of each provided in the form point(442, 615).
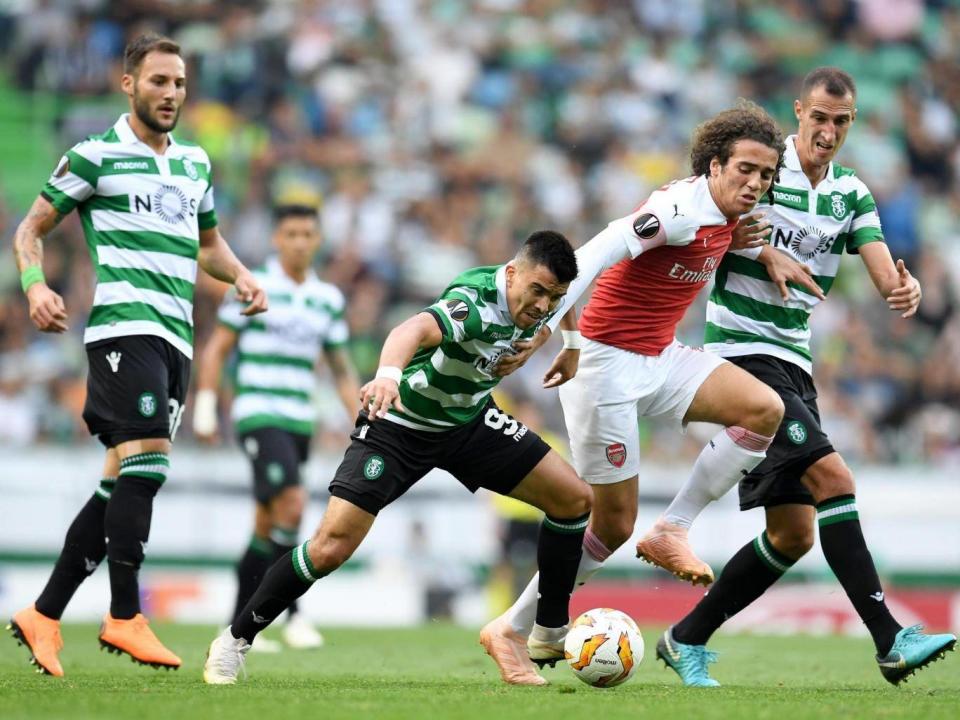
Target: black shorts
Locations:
point(799, 442)
point(276, 456)
point(136, 388)
point(385, 459)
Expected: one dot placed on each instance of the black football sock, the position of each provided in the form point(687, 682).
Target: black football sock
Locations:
point(286, 580)
point(846, 552)
point(127, 527)
point(282, 541)
point(83, 550)
point(252, 567)
point(755, 567)
point(558, 557)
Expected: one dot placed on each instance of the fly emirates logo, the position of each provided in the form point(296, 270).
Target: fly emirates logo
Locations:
point(684, 274)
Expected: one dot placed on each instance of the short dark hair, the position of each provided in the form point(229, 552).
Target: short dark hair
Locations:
point(282, 212)
point(716, 137)
point(552, 250)
point(835, 81)
point(138, 48)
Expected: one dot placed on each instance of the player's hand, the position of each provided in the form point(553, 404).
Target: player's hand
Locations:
point(907, 296)
point(522, 350)
point(752, 231)
point(378, 396)
point(564, 367)
point(250, 292)
point(783, 269)
point(47, 310)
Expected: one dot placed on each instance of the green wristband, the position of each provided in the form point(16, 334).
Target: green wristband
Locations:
point(31, 276)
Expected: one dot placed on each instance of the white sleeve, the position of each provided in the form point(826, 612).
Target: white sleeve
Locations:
point(603, 250)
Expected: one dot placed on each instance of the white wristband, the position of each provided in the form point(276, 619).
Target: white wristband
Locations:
point(572, 339)
point(205, 412)
point(390, 371)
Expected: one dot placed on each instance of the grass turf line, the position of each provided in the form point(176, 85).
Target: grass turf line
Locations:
point(439, 671)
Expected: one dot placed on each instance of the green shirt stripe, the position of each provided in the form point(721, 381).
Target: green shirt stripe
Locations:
point(717, 334)
point(121, 312)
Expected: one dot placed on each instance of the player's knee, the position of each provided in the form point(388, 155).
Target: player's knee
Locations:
point(614, 529)
point(328, 551)
point(764, 412)
point(287, 507)
point(794, 541)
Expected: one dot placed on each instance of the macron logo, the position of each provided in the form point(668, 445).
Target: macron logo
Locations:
point(258, 619)
point(878, 596)
point(114, 360)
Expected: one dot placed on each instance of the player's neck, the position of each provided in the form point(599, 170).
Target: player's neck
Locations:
point(298, 275)
point(156, 141)
point(815, 173)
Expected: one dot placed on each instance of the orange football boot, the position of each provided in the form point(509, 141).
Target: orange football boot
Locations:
point(135, 638)
point(41, 635)
point(666, 545)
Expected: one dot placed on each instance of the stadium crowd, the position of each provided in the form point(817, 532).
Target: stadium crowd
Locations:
point(435, 134)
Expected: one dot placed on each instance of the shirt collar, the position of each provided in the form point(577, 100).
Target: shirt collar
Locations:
point(791, 160)
point(275, 268)
point(126, 134)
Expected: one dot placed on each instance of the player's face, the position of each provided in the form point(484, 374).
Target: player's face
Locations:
point(297, 240)
point(824, 120)
point(737, 186)
point(157, 90)
point(532, 293)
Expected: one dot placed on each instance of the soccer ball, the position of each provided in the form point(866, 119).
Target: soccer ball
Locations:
point(604, 647)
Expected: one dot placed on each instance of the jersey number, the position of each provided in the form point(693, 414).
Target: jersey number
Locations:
point(176, 415)
point(496, 419)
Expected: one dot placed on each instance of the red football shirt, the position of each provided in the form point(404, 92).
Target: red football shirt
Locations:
point(638, 303)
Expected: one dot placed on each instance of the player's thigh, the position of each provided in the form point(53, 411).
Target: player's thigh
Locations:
point(731, 396)
point(495, 451)
point(383, 461)
point(274, 456)
point(135, 389)
point(600, 413)
point(554, 487)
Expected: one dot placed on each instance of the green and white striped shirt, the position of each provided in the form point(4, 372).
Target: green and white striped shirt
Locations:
point(278, 350)
point(142, 214)
point(746, 314)
point(447, 386)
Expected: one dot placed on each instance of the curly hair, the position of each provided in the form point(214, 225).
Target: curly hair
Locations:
point(716, 137)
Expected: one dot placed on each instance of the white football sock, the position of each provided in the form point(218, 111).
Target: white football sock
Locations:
point(733, 452)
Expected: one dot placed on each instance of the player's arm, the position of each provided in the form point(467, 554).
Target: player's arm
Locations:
point(209, 371)
point(344, 376)
point(218, 260)
point(565, 364)
point(47, 310)
point(898, 287)
point(420, 331)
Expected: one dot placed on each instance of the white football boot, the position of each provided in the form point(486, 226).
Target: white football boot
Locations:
point(225, 659)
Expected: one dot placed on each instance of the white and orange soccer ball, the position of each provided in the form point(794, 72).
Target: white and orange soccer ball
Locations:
point(604, 647)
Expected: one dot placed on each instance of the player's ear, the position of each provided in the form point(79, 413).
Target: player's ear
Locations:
point(797, 109)
point(127, 82)
point(715, 167)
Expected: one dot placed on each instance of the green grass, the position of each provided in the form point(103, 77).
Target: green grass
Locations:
point(439, 671)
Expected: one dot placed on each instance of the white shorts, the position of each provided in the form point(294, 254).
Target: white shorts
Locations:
point(612, 388)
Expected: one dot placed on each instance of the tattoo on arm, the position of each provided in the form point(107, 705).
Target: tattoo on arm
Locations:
point(28, 239)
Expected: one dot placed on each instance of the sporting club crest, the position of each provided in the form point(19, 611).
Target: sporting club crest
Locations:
point(617, 454)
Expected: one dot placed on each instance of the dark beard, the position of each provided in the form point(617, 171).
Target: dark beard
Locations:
point(142, 110)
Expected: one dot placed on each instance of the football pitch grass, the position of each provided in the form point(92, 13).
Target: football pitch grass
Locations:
point(439, 671)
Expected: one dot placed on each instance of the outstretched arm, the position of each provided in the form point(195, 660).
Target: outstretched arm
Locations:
point(218, 260)
point(383, 392)
point(47, 310)
point(898, 287)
